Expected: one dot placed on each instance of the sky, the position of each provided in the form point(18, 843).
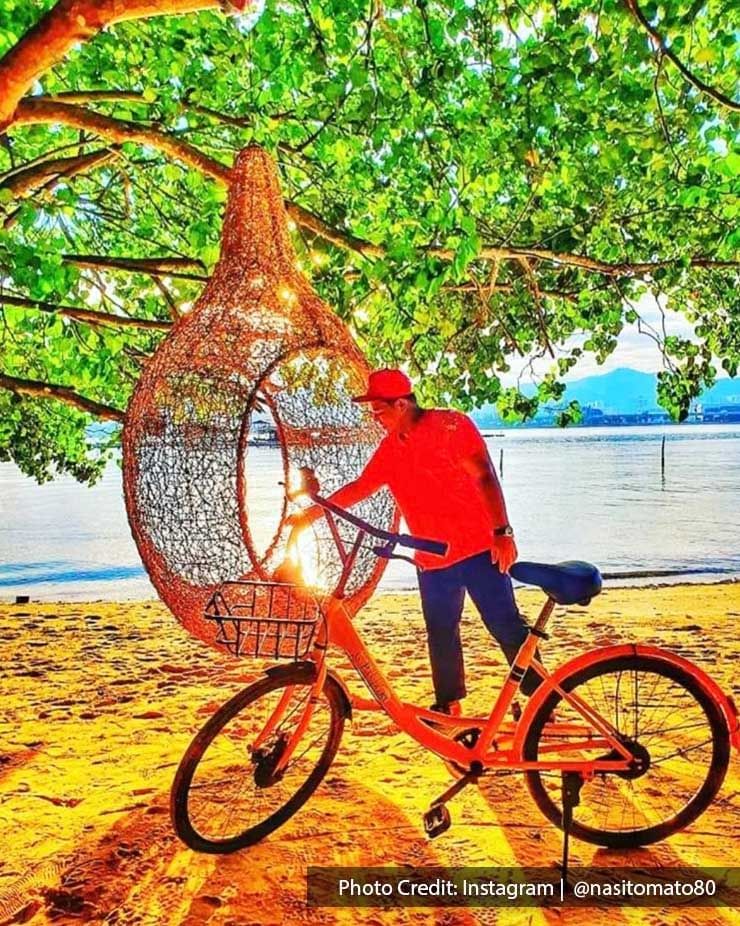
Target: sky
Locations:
point(635, 349)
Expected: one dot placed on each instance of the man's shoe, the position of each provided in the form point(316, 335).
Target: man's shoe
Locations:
point(449, 707)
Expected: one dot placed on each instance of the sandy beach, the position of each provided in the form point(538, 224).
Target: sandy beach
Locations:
point(100, 701)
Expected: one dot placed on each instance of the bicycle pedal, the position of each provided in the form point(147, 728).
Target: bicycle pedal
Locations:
point(437, 820)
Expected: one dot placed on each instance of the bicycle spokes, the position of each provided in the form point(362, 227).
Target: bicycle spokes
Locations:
point(237, 782)
point(664, 722)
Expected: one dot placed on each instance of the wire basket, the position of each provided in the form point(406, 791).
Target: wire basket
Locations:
point(270, 620)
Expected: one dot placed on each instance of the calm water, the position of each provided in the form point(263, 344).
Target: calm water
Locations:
point(593, 494)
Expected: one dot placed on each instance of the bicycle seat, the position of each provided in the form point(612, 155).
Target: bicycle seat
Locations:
point(572, 582)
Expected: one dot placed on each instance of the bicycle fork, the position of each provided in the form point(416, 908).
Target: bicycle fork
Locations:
point(281, 710)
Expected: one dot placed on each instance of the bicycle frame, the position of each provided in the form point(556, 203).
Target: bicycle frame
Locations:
point(500, 743)
point(497, 744)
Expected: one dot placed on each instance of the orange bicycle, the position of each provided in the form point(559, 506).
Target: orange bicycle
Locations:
point(621, 746)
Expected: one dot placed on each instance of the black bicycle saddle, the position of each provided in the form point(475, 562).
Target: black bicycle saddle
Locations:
point(572, 582)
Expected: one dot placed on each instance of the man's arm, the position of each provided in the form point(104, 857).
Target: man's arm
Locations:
point(366, 484)
point(478, 465)
point(345, 497)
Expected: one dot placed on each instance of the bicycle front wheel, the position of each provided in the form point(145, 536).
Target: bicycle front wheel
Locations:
point(226, 794)
point(672, 725)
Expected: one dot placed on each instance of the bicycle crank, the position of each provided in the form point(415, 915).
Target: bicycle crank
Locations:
point(437, 819)
point(468, 738)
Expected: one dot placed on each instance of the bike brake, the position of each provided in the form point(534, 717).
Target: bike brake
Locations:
point(385, 553)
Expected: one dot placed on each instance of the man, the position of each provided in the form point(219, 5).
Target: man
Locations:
point(436, 465)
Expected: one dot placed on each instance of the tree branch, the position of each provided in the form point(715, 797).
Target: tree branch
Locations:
point(167, 266)
point(68, 23)
point(46, 156)
point(625, 269)
point(88, 316)
point(27, 180)
point(661, 115)
point(536, 298)
point(507, 288)
point(39, 390)
point(94, 96)
point(171, 304)
point(695, 81)
point(32, 111)
point(152, 266)
point(43, 186)
point(136, 96)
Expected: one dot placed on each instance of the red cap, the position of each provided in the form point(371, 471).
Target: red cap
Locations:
point(385, 386)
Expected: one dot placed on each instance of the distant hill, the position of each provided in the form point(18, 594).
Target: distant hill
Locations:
point(621, 392)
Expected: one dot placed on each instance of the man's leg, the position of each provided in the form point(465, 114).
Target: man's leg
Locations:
point(442, 597)
point(493, 596)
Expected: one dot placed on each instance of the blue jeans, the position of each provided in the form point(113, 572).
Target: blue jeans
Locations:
point(442, 597)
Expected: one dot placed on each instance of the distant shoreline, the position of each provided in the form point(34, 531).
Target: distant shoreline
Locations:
point(491, 429)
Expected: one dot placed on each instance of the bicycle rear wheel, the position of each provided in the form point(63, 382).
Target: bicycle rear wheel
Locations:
point(667, 718)
point(226, 795)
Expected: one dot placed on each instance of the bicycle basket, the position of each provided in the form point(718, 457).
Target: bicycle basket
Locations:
point(272, 620)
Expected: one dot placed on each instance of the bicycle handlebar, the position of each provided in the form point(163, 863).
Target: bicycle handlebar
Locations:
point(435, 547)
point(420, 543)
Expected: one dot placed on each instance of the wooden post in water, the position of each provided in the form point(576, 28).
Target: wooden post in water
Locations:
point(662, 457)
point(501, 463)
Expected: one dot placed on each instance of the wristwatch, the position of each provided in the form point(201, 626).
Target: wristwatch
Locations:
point(505, 531)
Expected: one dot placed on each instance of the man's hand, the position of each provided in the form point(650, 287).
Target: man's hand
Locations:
point(504, 552)
point(304, 518)
point(290, 569)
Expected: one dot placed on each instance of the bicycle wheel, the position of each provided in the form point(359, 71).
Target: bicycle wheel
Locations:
point(225, 795)
point(671, 723)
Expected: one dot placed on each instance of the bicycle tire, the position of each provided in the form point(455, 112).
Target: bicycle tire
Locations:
point(597, 790)
point(191, 826)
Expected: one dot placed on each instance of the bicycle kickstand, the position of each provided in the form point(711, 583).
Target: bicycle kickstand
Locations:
point(572, 782)
point(437, 819)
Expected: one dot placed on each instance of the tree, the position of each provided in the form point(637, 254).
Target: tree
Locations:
point(469, 182)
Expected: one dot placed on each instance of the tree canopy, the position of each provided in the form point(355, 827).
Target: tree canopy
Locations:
point(469, 181)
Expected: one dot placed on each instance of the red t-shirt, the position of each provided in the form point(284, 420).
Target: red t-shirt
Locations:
point(438, 499)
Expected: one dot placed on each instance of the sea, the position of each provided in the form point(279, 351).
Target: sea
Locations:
point(645, 504)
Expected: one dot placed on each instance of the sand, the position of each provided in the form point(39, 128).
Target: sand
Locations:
point(100, 701)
